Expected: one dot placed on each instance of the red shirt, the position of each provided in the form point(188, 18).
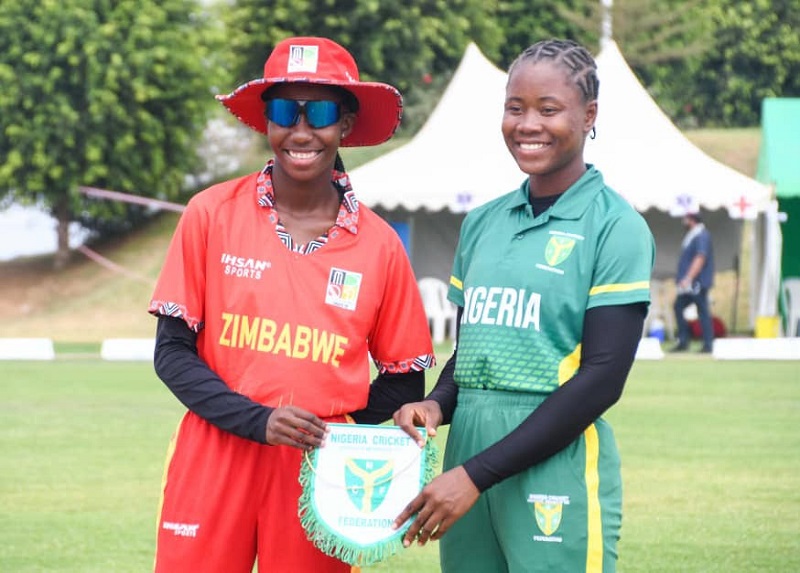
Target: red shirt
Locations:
point(289, 325)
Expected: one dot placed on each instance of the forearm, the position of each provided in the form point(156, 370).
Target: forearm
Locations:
point(199, 388)
point(694, 269)
point(387, 393)
point(445, 393)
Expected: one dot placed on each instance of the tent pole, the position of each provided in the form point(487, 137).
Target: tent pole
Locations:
point(606, 34)
point(735, 292)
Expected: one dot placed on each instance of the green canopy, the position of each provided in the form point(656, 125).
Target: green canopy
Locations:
point(779, 165)
point(779, 156)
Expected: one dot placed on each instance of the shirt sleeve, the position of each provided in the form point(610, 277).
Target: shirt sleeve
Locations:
point(400, 340)
point(180, 290)
point(455, 291)
point(624, 263)
point(703, 244)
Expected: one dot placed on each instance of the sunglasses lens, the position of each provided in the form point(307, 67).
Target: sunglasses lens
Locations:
point(319, 113)
point(284, 112)
point(322, 113)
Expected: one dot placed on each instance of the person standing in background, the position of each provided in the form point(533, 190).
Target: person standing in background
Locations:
point(694, 279)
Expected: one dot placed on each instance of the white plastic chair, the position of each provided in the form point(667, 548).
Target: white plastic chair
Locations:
point(440, 311)
point(791, 297)
point(660, 309)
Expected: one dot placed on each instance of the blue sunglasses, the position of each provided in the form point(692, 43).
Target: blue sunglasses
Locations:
point(319, 113)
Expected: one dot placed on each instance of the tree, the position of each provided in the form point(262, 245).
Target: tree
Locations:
point(398, 42)
point(756, 54)
point(708, 62)
point(524, 22)
point(664, 42)
point(653, 32)
point(100, 93)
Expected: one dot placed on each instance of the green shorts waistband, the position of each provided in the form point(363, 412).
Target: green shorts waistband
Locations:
point(478, 397)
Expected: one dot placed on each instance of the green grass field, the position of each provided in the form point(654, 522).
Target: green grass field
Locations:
point(711, 461)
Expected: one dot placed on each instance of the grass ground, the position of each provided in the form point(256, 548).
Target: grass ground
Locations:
point(711, 464)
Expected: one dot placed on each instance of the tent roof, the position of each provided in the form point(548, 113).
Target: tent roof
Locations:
point(459, 159)
point(780, 146)
point(649, 161)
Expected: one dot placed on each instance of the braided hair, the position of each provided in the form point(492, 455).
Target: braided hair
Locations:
point(569, 55)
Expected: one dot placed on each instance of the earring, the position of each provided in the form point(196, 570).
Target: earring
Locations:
point(593, 133)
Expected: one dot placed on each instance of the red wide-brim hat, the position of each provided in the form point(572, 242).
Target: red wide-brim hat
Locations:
point(320, 61)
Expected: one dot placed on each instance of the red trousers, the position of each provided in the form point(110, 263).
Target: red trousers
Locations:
point(225, 500)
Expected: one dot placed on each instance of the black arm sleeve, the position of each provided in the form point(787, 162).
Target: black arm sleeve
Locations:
point(446, 392)
point(387, 393)
point(611, 335)
point(199, 388)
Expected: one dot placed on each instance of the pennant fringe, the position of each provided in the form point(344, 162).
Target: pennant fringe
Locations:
point(330, 544)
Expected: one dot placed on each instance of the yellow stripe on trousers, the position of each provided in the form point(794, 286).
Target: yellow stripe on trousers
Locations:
point(594, 550)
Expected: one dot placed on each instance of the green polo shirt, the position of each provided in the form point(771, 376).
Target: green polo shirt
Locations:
point(526, 282)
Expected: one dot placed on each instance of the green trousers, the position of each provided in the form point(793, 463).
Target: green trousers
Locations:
point(561, 515)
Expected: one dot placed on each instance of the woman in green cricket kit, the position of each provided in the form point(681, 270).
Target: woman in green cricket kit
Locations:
point(552, 284)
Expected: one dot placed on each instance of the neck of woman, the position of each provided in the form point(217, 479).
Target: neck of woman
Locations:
point(317, 195)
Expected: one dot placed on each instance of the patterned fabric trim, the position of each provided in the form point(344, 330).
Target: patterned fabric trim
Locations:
point(303, 249)
point(174, 310)
point(346, 219)
point(417, 364)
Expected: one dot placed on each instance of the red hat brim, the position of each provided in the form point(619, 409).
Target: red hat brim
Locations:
point(380, 108)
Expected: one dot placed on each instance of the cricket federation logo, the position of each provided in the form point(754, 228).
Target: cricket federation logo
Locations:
point(548, 516)
point(367, 482)
point(303, 59)
point(343, 287)
point(558, 249)
point(548, 511)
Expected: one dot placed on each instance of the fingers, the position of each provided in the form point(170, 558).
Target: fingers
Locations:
point(404, 417)
point(424, 536)
point(415, 435)
point(413, 507)
point(440, 504)
point(410, 416)
point(295, 427)
point(423, 529)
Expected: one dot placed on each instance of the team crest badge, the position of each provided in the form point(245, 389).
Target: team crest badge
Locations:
point(367, 482)
point(548, 516)
point(356, 485)
point(342, 289)
point(558, 249)
point(303, 59)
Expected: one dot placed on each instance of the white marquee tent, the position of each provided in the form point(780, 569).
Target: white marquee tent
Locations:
point(458, 161)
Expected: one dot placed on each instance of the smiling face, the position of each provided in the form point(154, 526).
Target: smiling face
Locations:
point(545, 123)
point(303, 153)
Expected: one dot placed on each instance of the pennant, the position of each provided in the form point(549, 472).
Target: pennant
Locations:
point(357, 484)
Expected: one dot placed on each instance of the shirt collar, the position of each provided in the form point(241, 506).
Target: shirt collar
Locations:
point(348, 215)
point(574, 201)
